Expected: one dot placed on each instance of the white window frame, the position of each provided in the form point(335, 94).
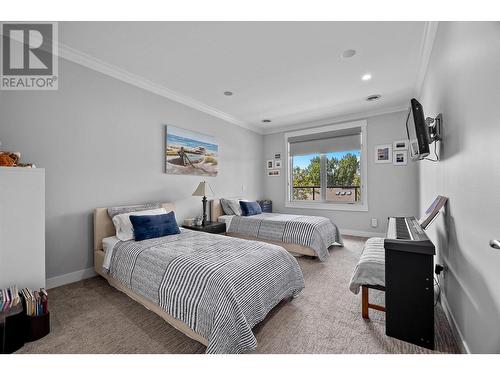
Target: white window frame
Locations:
point(325, 205)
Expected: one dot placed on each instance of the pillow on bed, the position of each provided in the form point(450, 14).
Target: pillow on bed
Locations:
point(231, 206)
point(226, 207)
point(123, 225)
point(250, 208)
point(235, 206)
point(113, 211)
point(154, 226)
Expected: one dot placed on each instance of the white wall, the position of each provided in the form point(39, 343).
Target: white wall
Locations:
point(463, 82)
point(101, 142)
point(392, 190)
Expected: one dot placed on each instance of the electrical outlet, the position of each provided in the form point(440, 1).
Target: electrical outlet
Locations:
point(374, 223)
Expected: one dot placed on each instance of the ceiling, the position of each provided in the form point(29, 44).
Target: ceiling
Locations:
point(288, 72)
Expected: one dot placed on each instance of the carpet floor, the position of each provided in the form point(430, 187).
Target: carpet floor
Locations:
point(90, 316)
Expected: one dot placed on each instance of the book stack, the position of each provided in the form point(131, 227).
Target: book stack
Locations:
point(37, 302)
point(9, 297)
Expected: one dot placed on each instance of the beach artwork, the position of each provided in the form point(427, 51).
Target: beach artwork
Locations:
point(190, 153)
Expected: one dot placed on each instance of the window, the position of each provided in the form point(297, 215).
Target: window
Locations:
point(306, 177)
point(343, 177)
point(327, 167)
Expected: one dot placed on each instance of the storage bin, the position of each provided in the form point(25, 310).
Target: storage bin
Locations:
point(37, 327)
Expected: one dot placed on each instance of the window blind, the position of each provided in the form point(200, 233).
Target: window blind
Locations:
point(322, 143)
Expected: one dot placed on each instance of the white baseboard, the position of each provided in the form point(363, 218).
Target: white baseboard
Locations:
point(361, 233)
point(453, 323)
point(69, 278)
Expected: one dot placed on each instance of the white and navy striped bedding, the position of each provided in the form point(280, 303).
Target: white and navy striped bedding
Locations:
point(370, 269)
point(316, 232)
point(219, 286)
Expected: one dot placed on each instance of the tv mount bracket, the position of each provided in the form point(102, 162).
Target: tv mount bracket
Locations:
point(435, 125)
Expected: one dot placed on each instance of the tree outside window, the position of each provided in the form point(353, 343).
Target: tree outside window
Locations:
point(342, 171)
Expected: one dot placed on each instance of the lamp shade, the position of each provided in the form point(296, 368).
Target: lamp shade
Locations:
point(203, 190)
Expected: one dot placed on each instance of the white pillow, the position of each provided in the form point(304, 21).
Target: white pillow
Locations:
point(235, 206)
point(123, 225)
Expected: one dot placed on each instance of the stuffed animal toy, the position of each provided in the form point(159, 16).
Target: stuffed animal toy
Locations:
point(9, 159)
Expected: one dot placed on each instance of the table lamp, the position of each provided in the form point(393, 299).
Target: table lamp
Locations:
point(203, 190)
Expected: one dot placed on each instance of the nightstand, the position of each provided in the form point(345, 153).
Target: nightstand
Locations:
point(209, 227)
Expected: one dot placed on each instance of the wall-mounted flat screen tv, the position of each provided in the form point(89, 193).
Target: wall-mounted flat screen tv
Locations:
point(418, 131)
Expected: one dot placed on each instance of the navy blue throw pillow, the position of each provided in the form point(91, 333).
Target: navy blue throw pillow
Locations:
point(250, 208)
point(154, 226)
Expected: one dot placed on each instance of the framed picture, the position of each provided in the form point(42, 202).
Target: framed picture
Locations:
point(277, 155)
point(400, 145)
point(400, 157)
point(277, 164)
point(189, 152)
point(273, 173)
point(383, 154)
point(270, 164)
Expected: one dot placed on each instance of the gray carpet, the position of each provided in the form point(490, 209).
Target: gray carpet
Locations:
point(92, 317)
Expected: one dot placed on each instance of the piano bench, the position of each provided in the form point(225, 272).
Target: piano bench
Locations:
point(365, 303)
point(369, 273)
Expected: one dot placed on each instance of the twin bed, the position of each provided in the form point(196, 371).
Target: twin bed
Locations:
point(213, 288)
point(299, 234)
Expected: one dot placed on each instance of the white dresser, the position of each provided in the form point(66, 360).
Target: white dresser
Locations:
point(22, 227)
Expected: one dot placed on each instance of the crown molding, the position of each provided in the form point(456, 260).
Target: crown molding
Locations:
point(428, 38)
point(336, 120)
point(88, 61)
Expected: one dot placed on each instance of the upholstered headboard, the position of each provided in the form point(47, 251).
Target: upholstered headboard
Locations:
point(215, 209)
point(103, 226)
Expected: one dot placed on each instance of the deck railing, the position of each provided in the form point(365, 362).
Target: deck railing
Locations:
point(315, 191)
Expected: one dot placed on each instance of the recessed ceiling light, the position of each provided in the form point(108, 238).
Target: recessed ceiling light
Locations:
point(266, 120)
point(228, 93)
point(372, 98)
point(348, 53)
point(366, 77)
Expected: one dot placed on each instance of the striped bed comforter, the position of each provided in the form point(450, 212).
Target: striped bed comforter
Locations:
point(370, 269)
point(219, 286)
point(316, 232)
